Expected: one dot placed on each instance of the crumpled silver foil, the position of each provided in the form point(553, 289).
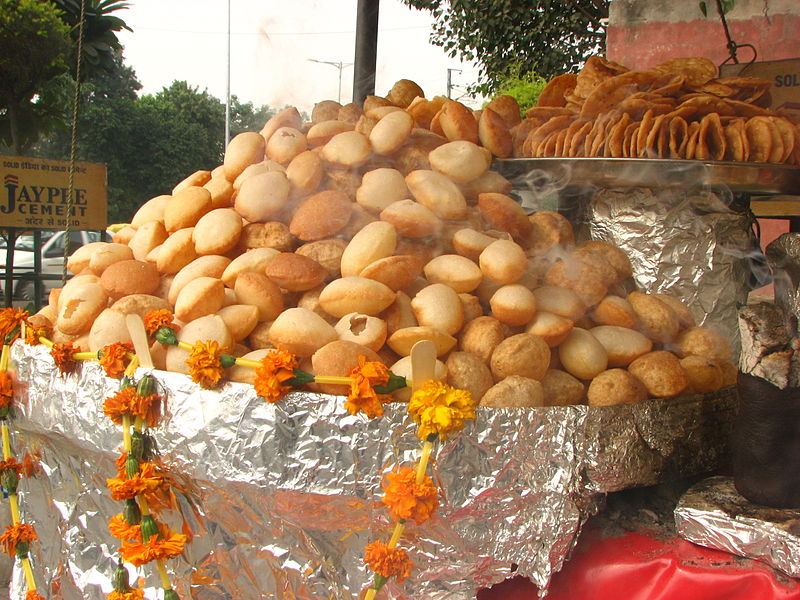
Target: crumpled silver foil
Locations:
point(281, 499)
point(713, 514)
point(686, 226)
point(783, 256)
point(688, 243)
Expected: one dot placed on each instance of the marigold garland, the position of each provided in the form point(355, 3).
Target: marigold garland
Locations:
point(6, 389)
point(33, 595)
point(63, 356)
point(406, 499)
point(387, 562)
point(131, 594)
point(362, 396)
point(10, 321)
point(439, 409)
point(16, 534)
point(122, 530)
point(129, 402)
point(146, 481)
point(156, 319)
point(163, 546)
point(33, 334)
point(113, 358)
point(205, 365)
point(274, 370)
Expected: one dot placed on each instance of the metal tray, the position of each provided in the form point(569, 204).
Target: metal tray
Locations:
point(744, 178)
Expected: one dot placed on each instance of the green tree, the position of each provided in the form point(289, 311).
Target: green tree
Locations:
point(34, 43)
point(534, 36)
point(100, 43)
point(247, 117)
point(38, 43)
point(152, 142)
point(525, 89)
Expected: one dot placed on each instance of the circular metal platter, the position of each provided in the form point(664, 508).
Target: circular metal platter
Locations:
point(745, 178)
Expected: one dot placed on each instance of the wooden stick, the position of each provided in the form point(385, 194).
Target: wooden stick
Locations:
point(141, 344)
point(423, 363)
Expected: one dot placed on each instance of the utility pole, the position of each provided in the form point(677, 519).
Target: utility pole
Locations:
point(339, 65)
point(450, 80)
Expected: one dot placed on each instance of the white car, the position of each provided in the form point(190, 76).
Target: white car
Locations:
point(52, 260)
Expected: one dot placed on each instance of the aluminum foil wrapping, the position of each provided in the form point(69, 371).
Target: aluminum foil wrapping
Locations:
point(281, 499)
point(713, 514)
point(689, 244)
point(684, 229)
point(783, 256)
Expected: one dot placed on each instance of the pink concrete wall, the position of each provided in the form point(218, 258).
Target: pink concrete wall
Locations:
point(640, 45)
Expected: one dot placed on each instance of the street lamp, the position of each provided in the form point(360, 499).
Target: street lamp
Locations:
point(339, 65)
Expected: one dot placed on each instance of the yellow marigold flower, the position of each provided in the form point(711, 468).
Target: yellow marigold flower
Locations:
point(16, 534)
point(408, 500)
point(387, 562)
point(440, 410)
point(276, 367)
point(362, 396)
point(122, 530)
point(62, 355)
point(204, 363)
point(163, 546)
point(10, 319)
point(131, 594)
point(156, 319)
point(146, 481)
point(6, 389)
point(114, 358)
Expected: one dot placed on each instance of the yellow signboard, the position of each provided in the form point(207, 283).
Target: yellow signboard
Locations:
point(35, 194)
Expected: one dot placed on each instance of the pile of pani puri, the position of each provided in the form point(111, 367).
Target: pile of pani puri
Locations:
point(374, 226)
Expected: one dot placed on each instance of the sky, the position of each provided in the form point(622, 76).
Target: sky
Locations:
point(272, 43)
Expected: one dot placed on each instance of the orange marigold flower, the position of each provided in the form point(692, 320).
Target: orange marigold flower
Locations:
point(15, 534)
point(156, 319)
point(146, 481)
point(6, 389)
point(33, 595)
point(165, 545)
point(120, 404)
point(62, 354)
point(276, 367)
point(131, 594)
point(406, 498)
point(204, 363)
point(387, 562)
point(114, 358)
point(122, 530)
point(128, 402)
point(362, 396)
point(10, 319)
point(32, 334)
point(12, 464)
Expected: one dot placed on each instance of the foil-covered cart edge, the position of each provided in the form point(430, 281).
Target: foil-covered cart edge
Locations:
point(281, 499)
point(713, 514)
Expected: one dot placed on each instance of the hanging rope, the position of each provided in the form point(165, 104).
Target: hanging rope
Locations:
point(73, 142)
